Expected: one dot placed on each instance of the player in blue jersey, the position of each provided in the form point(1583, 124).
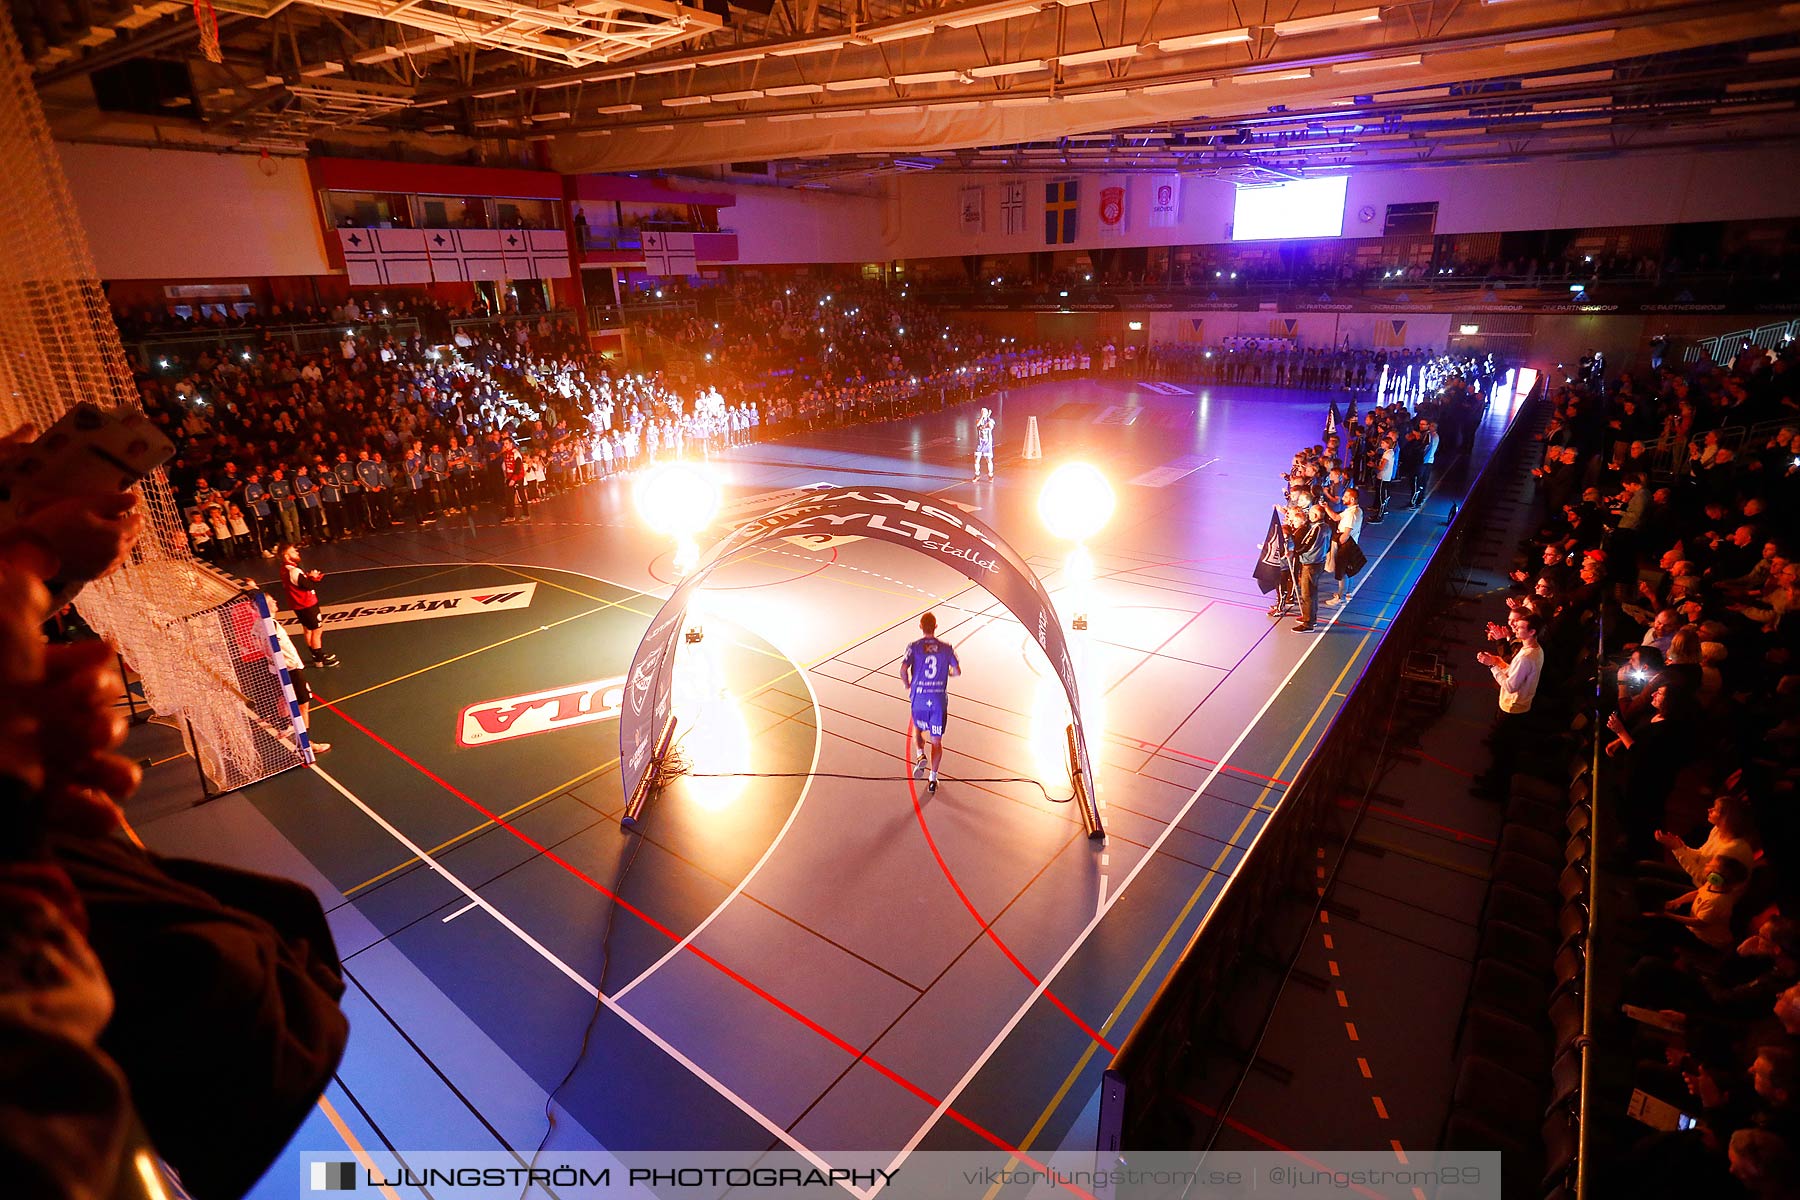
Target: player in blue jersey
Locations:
point(925, 669)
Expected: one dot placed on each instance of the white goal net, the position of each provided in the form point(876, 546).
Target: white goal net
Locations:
point(167, 614)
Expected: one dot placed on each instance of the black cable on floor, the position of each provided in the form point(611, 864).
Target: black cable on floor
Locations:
point(587, 1033)
point(1038, 784)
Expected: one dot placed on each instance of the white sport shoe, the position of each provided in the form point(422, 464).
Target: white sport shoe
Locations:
point(919, 765)
point(321, 747)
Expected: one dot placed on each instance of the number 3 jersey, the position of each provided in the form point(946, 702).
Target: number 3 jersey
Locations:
point(931, 661)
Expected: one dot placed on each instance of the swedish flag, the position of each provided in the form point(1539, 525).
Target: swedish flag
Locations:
point(1062, 206)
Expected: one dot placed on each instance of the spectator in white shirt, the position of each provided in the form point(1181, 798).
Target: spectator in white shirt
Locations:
point(1349, 529)
point(1518, 680)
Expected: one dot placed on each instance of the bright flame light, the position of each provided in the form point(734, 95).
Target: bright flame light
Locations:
point(712, 736)
point(678, 499)
point(1078, 575)
point(1050, 718)
point(1076, 502)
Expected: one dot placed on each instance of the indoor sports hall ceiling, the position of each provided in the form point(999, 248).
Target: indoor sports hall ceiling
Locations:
point(841, 89)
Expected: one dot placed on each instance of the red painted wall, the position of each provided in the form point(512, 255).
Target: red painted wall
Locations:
point(371, 175)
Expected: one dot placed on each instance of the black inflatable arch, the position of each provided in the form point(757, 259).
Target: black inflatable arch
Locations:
point(909, 519)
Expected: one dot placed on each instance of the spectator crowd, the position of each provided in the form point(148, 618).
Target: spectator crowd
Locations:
point(374, 431)
point(1666, 533)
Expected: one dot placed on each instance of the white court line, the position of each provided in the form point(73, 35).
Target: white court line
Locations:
point(805, 790)
point(1049, 976)
point(581, 982)
point(459, 912)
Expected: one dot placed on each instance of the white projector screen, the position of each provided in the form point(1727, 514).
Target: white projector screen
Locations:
point(1299, 208)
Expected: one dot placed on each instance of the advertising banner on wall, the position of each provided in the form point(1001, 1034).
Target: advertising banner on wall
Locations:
point(972, 210)
point(909, 519)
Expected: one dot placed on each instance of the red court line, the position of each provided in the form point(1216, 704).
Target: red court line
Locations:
point(1201, 758)
point(912, 789)
point(1394, 814)
point(780, 1005)
point(1438, 762)
point(1252, 1132)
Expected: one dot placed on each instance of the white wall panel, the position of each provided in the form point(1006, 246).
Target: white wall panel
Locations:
point(175, 214)
point(1722, 185)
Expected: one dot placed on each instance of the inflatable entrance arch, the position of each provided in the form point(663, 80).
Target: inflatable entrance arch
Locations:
point(646, 725)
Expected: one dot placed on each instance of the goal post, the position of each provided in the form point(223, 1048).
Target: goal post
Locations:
point(166, 613)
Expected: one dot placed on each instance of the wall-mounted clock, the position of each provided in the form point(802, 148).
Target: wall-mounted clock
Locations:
point(1366, 212)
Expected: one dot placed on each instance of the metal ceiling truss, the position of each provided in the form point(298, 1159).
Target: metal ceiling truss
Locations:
point(845, 88)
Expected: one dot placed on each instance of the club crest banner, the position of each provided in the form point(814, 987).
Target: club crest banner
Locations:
point(909, 519)
point(1112, 209)
point(1165, 201)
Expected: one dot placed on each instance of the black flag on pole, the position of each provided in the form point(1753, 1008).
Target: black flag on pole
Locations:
point(1351, 416)
point(1272, 561)
point(1332, 420)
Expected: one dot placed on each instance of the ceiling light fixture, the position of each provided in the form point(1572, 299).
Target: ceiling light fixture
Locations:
point(929, 77)
point(1013, 68)
point(609, 110)
point(1757, 85)
point(857, 85)
point(734, 97)
point(667, 68)
point(1272, 77)
point(1376, 64)
point(807, 48)
point(1202, 41)
point(882, 36)
point(1735, 110)
point(1592, 37)
point(795, 89)
point(1184, 85)
point(965, 20)
point(685, 101)
point(1104, 54)
point(1319, 24)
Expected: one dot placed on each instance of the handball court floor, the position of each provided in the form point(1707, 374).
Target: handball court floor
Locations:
point(801, 947)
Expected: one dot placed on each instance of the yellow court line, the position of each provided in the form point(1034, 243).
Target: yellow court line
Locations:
point(356, 1147)
point(467, 654)
point(409, 583)
point(557, 790)
point(792, 670)
point(160, 761)
point(1087, 1055)
point(621, 604)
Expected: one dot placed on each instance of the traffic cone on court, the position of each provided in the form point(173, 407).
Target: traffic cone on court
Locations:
point(1033, 447)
